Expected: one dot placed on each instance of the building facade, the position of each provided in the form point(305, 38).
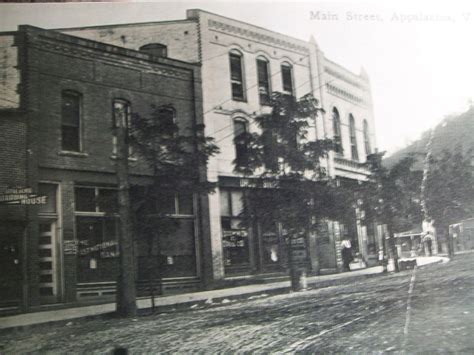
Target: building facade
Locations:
point(241, 65)
point(236, 68)
point(61, 150)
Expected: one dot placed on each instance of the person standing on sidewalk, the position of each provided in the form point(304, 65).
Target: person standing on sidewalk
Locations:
point(346, 251)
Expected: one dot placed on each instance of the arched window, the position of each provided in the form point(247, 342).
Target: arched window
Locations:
point(287, 78)
point(240, 129)
point(71, 121)
point(368, 150)
point(155, 49)
point(336, 124)
point(352, 130)
point(237, 75)
point(263, 75)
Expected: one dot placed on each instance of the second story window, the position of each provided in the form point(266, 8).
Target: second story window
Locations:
point(287, 78)
point(240, 129)
point(121, 119)
point(336, 122)
point(263, 80)
point(352, 129)
point(71, 121)
point(237, 76)
point(368, 150)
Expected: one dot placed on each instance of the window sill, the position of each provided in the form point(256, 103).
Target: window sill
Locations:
point(114, 157)
point(239, 99)
point(73, 154)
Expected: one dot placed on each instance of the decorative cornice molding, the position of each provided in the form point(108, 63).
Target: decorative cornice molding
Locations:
point(343, 77)
point(345, 95)
point(141, 64)
point(223, 27)
point(351, 166)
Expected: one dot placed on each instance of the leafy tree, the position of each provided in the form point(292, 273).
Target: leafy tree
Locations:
point(448, 195)
point(177, 160)
point(392, 196)
point(281, 156)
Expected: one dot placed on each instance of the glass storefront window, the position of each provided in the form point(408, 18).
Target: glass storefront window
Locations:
point(97, 239)
point(235, 241)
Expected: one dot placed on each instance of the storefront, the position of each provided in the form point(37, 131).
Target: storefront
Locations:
point(250, 246)
point(162, 256)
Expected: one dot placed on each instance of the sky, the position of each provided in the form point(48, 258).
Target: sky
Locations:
point(419, 55)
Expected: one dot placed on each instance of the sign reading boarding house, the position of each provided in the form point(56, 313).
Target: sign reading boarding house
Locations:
point(21, 196)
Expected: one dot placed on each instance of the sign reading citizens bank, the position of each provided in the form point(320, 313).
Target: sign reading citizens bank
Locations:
point(21, 196)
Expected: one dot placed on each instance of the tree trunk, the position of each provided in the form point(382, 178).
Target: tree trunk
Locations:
point(297, 273)
point(126, 293)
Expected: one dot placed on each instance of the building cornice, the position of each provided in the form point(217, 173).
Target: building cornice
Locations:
point(343, 94)
point(345, 78)
point(255, 36)
point(69, 45)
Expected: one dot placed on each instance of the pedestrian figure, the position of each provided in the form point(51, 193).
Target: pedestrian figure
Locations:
point(346, 251)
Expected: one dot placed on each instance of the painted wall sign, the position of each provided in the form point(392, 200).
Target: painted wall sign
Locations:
point(21, 196)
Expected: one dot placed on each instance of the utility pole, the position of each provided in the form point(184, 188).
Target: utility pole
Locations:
point(126, 293)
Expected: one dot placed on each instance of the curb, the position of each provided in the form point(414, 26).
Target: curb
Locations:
point(195, 304)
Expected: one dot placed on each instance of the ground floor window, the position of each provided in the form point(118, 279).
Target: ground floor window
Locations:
point(97, 239)
point(235, 238)
point(272, 247)
point(168, 255)
point(97, 234)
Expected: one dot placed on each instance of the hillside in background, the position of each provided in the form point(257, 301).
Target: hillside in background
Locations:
point(453, 131)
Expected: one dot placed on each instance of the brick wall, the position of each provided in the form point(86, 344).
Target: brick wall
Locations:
point(54, 62)
point(9, 75)
point(179, 36)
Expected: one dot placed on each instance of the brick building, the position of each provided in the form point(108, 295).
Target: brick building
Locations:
point(64, 94)
point(241, 64)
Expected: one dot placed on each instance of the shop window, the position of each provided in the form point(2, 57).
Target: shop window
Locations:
point(287, 78)
point(352, 130)
point(263, 80)
point(97, 238)
point(71, 121)
point(336, 122)
point(271, 245)
point(97, 228)
point(235, 238)
point(237, 76)
point(368, 150)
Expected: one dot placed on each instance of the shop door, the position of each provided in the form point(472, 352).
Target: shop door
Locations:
point(10, 268)
point(48, 262)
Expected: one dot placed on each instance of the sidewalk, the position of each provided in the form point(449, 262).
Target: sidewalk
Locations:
point(30, 319)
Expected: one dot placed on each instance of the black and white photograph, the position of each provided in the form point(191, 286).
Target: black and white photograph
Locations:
point(269, 177)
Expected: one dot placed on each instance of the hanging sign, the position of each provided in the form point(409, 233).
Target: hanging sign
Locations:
point(21, 196)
